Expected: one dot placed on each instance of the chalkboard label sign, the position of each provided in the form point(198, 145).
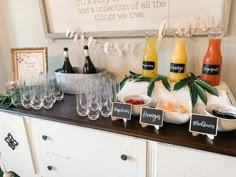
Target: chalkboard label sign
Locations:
point(151, 116)
point(177, 68)
point(122, 110)
point(148, 65)
point(211, 69)
point(203, 124)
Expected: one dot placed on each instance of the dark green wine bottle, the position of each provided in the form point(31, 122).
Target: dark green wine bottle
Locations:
point(67, 67)
point(89, 67)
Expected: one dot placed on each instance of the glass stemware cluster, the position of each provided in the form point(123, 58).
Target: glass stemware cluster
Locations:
point(36, 93)
point(95, 96)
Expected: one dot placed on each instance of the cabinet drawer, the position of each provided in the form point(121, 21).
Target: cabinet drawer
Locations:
point(59, 166)
point(93, 148)
point(56, 165)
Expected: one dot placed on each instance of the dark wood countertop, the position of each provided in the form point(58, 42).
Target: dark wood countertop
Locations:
point(65, 112)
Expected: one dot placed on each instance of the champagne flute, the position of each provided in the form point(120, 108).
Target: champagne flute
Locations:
point(57, 89)
point(106, 96)
point(48, 97)
point(115, 90)
point(37, 89)
point(82, 98)
point(26, 93)
point(93, 99)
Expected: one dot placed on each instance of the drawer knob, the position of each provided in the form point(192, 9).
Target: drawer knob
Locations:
point(49, 168)
point(44, 137)
point(124, 157)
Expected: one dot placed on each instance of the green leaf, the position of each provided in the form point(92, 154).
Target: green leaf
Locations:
point(166, 83)
point(6, 102)
point(193, 93)
point(181, 84)
point(201, 93)
point(190, 74)
point(143, 79)
point(208, 87)
point(151, 86)
point(134, 74)
point(123, 82)
point(3, 100)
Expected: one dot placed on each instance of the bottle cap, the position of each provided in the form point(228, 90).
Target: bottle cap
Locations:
point(65, 49)
point(216, 33)
point(85, 47)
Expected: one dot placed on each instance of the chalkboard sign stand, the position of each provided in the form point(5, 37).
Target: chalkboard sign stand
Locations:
point(204, 125)
point(121, 111)
point(211, 137)
point(118, 118)
point(151, 117)
point(157, 127)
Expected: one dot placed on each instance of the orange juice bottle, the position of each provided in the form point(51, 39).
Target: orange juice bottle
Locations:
point(178, 60)
point(212, 61)
point(150, 59)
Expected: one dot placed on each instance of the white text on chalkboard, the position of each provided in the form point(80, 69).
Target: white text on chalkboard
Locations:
point(203, 124)
point(153, 116)
point(121, 110)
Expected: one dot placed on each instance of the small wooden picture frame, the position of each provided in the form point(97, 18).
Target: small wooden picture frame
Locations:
point(28, 63)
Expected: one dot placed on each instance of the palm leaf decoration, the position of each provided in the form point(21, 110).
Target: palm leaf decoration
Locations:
point(197, 88)
point(139, 78)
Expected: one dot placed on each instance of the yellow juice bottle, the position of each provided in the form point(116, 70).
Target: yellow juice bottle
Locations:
point(150, 59)
point(178, 61)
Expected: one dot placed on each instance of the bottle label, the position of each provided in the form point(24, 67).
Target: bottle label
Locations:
point(211, 69)
point(177, 68)
point(66, 54)
point(148, 65)
point(86, 52)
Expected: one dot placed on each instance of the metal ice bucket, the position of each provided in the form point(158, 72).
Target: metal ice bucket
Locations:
point(68, 81)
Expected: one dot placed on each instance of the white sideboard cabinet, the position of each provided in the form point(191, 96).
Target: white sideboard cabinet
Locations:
point(52, 149)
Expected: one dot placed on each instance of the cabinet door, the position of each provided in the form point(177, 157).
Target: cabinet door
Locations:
point(14, 145)
point(93, 152)
point(169, 160)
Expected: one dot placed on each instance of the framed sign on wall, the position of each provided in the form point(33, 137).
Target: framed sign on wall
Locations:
point(120, 18)
point(28, 63)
